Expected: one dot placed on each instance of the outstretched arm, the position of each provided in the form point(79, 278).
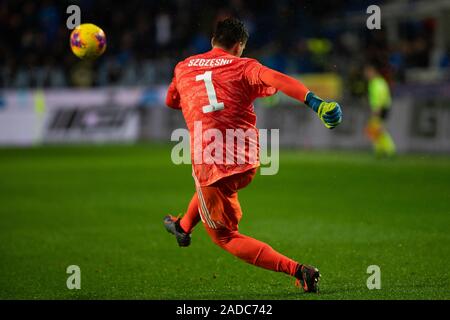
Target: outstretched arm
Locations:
point(329, 112)
point(173, 97)
point(286, 84)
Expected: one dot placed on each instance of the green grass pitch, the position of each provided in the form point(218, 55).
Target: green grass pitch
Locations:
point(101, 208)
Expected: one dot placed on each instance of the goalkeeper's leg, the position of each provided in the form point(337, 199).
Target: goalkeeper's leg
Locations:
point(262, 255)
point(192, 216)
point(182, 228)
point(220, 212)
point(253, 251)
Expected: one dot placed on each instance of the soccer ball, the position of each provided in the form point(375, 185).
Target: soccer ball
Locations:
point(87, 41)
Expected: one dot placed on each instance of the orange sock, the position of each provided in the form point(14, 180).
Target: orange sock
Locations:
point(253, 251)
point(192, 216)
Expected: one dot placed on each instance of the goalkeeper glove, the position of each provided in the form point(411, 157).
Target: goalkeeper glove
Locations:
point(329, 112)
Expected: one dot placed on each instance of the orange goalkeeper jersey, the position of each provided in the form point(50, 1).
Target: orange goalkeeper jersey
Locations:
point(215, 91)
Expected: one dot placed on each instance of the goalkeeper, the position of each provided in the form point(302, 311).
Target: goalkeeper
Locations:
point(217, 88)
point(380, 104)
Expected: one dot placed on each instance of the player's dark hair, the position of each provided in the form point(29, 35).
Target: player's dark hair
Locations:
point(229, 32)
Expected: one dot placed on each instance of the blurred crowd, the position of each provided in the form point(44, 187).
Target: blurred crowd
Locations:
point(146, 39)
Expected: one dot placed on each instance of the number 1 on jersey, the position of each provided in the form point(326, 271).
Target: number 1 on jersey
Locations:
point(214, 105)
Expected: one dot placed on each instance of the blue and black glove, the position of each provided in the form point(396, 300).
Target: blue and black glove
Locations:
point(329, 112)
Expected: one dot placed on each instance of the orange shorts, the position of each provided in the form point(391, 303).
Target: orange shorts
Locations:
point(218, 203)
